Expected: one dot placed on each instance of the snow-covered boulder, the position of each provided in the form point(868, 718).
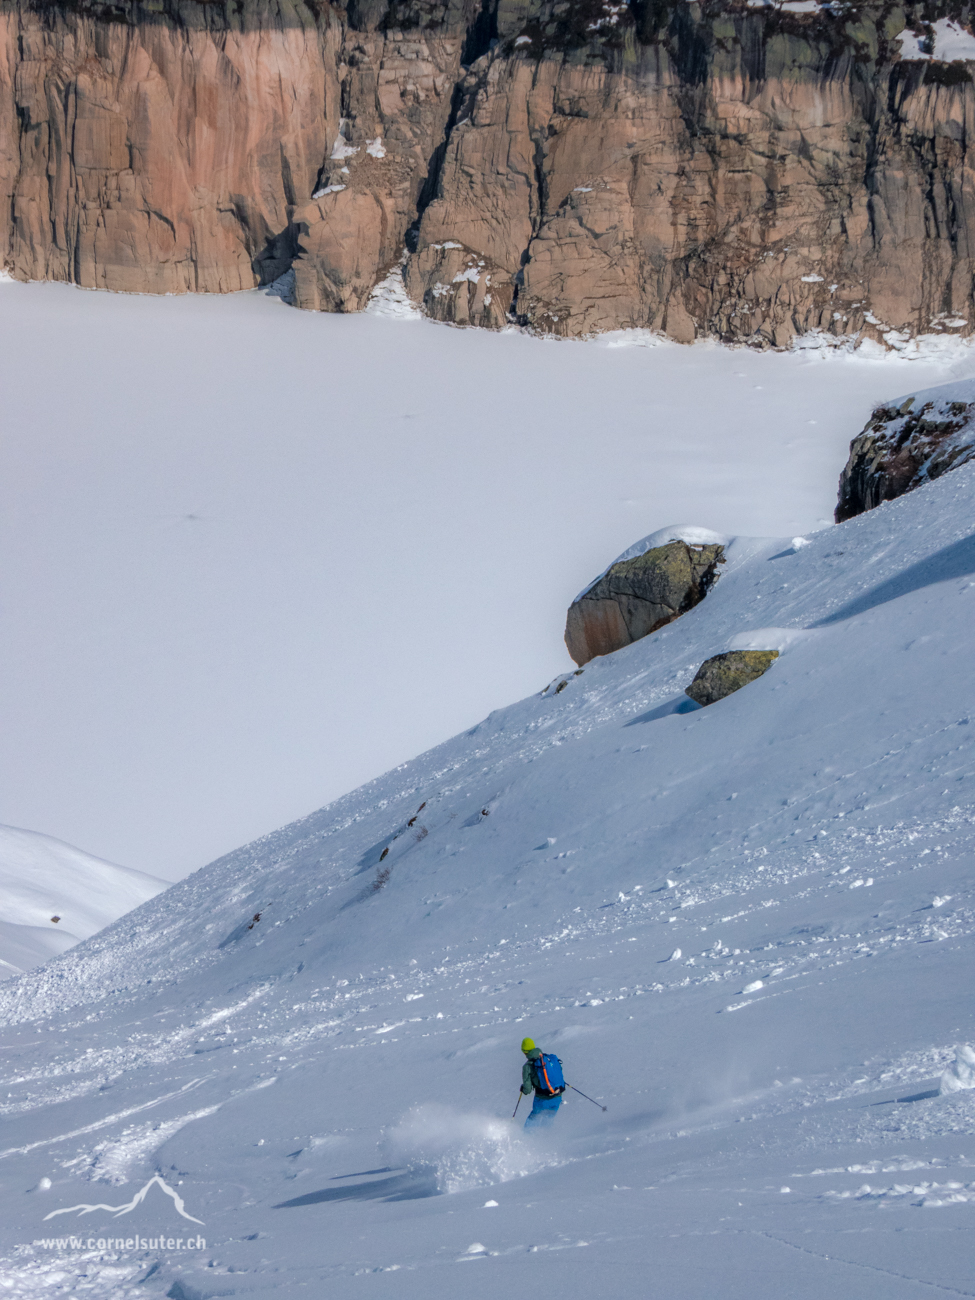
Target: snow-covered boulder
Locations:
point(960, 1075)
point(905, 444)
point(650, 585)
point(53, 895)
point(724, 674)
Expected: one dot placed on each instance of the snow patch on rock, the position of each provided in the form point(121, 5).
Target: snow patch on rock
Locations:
point(952, 43)
point(389, 298)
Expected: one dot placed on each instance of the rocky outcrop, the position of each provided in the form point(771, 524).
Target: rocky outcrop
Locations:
point(718, 170)
point(724, 674)
point(636, 596)
point(906, 444)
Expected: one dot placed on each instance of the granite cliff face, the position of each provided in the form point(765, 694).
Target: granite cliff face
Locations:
point(154, 149)
point(575, 165)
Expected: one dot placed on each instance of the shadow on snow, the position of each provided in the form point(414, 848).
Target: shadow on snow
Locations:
point(402, 1185)
point(954, 561)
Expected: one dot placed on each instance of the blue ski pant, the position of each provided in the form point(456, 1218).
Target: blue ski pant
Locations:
point(543, 1112)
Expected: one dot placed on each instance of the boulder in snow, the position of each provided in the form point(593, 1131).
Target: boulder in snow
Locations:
point(640, 593)
point(724, 674)
point(907, 444)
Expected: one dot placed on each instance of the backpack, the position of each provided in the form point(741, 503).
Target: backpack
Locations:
point(548, 1075)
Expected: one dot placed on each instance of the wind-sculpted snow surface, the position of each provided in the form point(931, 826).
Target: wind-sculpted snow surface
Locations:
point(746, 930)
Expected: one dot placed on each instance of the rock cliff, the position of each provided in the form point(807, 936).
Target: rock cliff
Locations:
point(906, 444)
point(718, 169)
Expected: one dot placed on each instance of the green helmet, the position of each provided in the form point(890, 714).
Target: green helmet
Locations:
point(527, 1045)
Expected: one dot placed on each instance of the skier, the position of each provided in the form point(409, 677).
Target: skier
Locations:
point(542, 1072)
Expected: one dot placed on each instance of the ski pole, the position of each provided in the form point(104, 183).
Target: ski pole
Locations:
point(582, 1094)
point(517, 1104)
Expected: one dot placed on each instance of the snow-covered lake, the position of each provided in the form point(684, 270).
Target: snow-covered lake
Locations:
point(253, 557)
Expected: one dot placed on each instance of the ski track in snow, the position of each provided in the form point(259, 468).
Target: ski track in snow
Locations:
point(810, 839)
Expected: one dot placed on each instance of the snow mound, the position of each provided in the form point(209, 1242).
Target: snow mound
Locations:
point(959, 390)
point(931, 349)
point(692, 534)
point(960, 1075)
point(42, 878)
point(770, 638)
point(389, 298)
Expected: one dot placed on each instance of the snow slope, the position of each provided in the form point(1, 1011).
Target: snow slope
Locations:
point(40, 878)
point(746, 929)
point(254, 556)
